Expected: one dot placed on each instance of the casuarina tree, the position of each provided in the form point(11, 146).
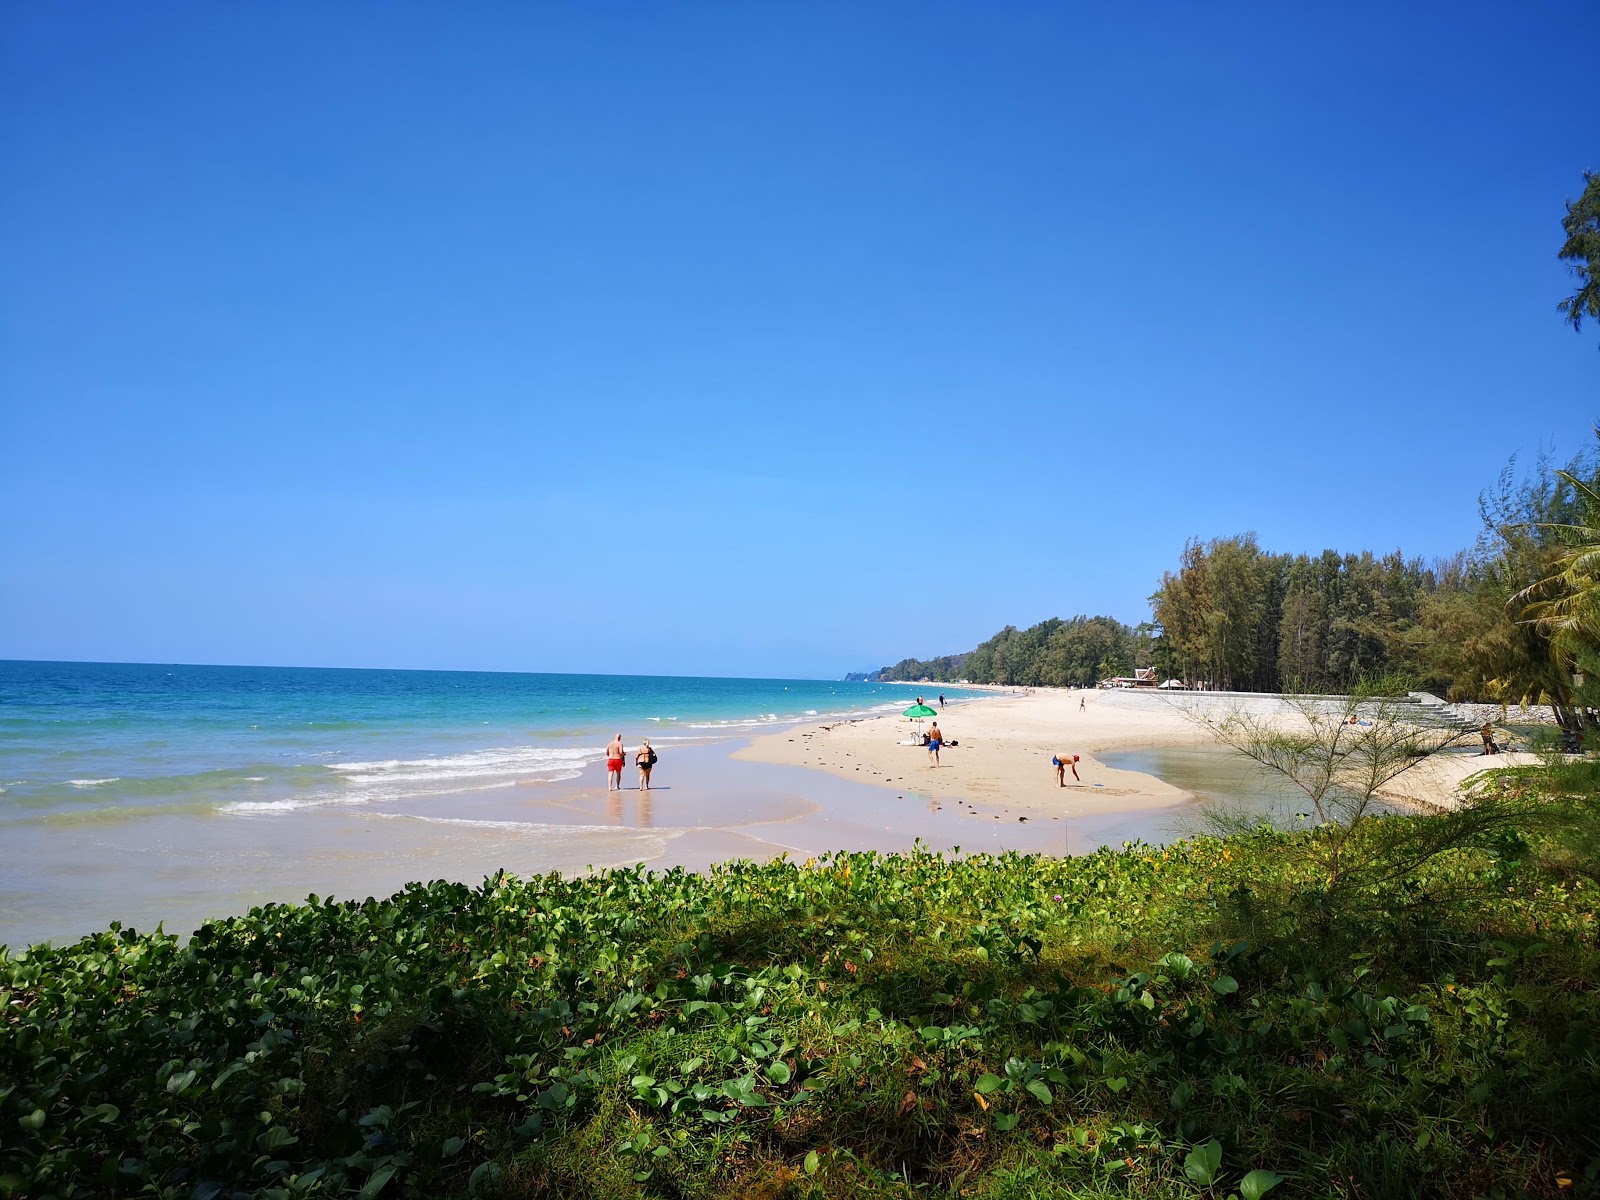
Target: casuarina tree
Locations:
point(1581, 252)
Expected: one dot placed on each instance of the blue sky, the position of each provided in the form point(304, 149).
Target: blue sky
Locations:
point(753, 339)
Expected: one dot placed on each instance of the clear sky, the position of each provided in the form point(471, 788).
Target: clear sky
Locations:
point(754, 338)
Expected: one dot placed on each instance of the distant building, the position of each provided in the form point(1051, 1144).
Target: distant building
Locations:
point(1142, 677)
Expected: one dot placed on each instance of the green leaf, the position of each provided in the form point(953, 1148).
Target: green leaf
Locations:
point(987, 1083)
point(1005, 1121)
point(452, 1146)
point(275, 1138)
point(33, 1121)
point(178, 1082)
point(812, 1162)
point(1117, 1082)
point(1201, 1163)
point(778, 1072)
point(1257, 1184)
point(1037, 1089)
point(1224, 985)
point(376, 1182)
point(1181, 1095)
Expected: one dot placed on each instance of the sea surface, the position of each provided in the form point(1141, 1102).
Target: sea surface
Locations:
point(152, 793)
point(111, 740)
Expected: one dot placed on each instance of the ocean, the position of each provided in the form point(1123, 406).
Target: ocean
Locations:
point(145, 792)
point(128, 739)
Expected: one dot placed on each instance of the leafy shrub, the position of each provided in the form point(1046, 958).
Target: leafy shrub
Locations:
point(1120, 1024)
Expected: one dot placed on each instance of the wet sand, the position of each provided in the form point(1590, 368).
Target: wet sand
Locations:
point(67, 877)
point(801, 791)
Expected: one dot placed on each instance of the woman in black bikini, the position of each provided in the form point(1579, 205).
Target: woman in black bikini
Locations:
point(646, 759)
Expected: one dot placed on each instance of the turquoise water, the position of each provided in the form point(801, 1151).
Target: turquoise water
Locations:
point(100, 741)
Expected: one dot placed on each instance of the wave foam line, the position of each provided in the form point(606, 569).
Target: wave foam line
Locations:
point(337, 799)
point(505, 762)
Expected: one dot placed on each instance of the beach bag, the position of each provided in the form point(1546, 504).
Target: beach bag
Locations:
point(651, 761)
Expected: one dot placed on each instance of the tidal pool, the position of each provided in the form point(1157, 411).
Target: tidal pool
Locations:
point(1228, 787)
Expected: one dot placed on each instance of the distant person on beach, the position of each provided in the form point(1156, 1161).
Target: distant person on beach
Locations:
point(616, 755)
point(941, 701)
point(935, 740)
point(1083, 703)
point(645, 760)
point(1487, 734)
point(1064, 763)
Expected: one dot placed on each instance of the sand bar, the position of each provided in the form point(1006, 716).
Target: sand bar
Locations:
point(1004, 744)
point(1002, 751)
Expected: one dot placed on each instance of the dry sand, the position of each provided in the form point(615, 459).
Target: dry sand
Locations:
point(1002, 751)
point(1435, 783)
point(1004, 744)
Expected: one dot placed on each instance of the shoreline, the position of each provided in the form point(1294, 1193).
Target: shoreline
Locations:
point(998, 752)
point(1002, 745)
point(804, 788)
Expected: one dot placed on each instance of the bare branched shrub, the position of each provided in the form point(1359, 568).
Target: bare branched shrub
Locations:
point(1343, 753)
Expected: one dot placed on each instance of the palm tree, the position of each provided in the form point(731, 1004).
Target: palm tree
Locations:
point(1564, 605)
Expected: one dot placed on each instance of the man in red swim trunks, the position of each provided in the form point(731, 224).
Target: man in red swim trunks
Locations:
point(616, 755)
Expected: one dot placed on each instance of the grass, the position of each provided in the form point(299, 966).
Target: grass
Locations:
point(1146, 1022)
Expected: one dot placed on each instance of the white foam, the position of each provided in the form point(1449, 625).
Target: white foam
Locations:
point(509, 763)
point(539, 827)
point(89, 783)
point(359, 797)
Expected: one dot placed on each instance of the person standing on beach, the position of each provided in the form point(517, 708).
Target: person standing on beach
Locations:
point(616, 755)
point(645, 760)
point(1064, 763)
point(941, 701)
point(1083, 703)
point(935, 740)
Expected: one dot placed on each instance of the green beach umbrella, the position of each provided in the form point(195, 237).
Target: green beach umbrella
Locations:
point(920, 710)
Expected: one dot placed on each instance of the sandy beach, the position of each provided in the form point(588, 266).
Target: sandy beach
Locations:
point(1147, 772)
point(1001, 751)
point(1003, 746)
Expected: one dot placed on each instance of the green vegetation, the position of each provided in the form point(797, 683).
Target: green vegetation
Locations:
point(1581, 252)
point(1054, 653)
point(1057, 653)
point(1207, 1019)
point(1513, 620)
point(946, 668)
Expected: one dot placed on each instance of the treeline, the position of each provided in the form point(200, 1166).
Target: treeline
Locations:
point(1238, 618)
point(1054, 653)
point(1516, 619)
point(946, 668)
